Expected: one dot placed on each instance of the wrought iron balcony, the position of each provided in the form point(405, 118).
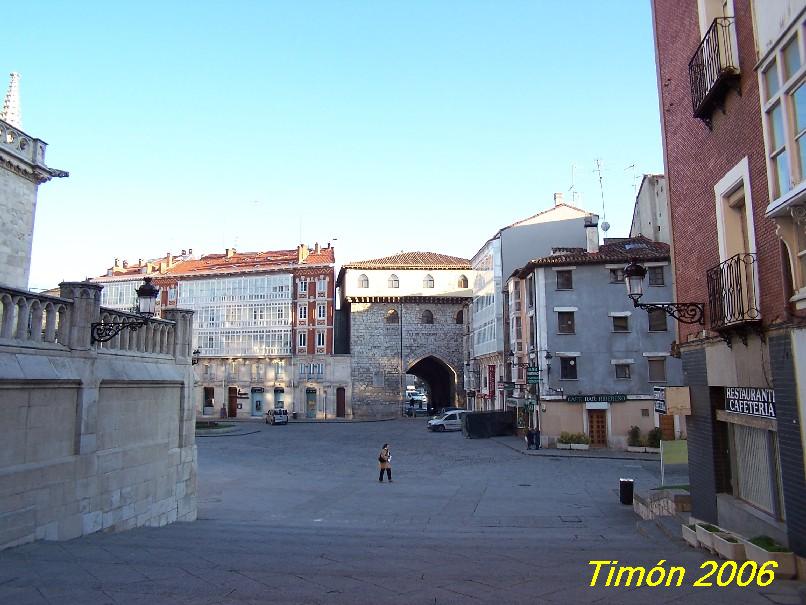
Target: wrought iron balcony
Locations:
point(713, 70)
point(732, 299)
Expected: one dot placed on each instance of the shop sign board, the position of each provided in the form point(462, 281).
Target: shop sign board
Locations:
point(659, 395)
point(532, 375)
point(750, 401)
point(608, 398)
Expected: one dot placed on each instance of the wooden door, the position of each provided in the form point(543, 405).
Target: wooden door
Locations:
point(232, 403)
point(597, 427)
point(666, 427)
point(340, 404)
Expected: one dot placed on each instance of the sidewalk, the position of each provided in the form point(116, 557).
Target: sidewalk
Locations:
point(519, 445)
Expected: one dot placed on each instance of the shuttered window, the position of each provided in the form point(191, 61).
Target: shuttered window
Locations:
point(756, 474)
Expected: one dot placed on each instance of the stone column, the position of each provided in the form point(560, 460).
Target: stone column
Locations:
point(86, 299)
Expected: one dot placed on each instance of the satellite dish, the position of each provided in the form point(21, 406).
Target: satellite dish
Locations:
point(605, 226)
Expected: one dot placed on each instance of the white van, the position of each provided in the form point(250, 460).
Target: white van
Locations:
point(449, 421)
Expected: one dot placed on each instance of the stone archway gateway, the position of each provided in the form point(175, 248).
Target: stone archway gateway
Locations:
point(405, 314)
point(440, 378)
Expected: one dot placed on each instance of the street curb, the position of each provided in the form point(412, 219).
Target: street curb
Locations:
point(232, 433)
point(550, 454)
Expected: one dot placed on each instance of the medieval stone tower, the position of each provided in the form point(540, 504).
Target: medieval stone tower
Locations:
point(22, 170)
point(405, 316)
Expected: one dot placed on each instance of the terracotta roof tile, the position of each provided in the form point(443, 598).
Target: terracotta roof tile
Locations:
point(639, 248)
point(412, 260)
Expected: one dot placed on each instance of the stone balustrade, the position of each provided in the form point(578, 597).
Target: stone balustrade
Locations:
point(157, 336)
point(25, 147)
point(32, 320)
point(36, 320)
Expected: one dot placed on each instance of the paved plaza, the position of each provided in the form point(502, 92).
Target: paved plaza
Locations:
point(295, 514)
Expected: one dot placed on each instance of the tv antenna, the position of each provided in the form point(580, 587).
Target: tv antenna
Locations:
point(604, 225)
point(635, 178)
point(573, 188)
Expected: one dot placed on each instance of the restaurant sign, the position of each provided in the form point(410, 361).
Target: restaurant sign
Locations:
point(586, 398)
point(750, 401)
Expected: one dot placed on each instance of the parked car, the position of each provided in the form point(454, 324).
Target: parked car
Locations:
point(451, 421)
point(278, 416)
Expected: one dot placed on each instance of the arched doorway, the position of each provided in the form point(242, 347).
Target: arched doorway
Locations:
point(440, 378)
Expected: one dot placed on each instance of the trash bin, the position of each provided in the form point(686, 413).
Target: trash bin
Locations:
point(294, 415)
point(625, 490)
point(532, 439)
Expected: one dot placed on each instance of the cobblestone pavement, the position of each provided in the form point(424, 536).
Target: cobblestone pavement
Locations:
point(295, 514)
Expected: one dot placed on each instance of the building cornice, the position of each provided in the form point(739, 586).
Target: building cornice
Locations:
point(408, 299)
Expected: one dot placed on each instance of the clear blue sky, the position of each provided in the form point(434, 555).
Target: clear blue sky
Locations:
point(416, 125)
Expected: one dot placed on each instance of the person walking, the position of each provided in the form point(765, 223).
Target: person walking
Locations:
point(385, 463)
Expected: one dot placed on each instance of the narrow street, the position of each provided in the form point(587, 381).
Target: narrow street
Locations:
point(295, 514)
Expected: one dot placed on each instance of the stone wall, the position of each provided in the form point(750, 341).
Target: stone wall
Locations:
point(95, 437)
point(376, 345)
point(17, 207)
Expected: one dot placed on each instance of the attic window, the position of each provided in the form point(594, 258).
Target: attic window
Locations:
point(636, 246)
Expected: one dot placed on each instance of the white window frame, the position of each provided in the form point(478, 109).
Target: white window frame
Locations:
point(321, 311)
point(302, 286)
point(736, 177)
point(320, 339)
point(783, 97)
point(302, 311)
point(302, 338)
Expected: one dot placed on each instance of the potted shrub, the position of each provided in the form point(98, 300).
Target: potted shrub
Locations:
point(564, 441)
point(690, 535)
point(653, 440)
point(763, 548)
point(580, 441)
point(705, 534)
point(634, 440)
point(728, 546)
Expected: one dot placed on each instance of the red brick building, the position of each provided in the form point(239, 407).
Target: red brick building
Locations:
point(746, 460)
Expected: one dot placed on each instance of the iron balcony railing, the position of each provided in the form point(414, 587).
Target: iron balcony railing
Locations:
point(712, 68)
point(732, 298)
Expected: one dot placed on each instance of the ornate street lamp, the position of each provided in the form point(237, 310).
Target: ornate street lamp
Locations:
point(687, 313)
point(146, 307)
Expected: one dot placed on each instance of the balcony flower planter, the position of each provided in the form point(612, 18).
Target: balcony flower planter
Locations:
point(579, 446)
point(563, 446)
point(636, 449)
point(758, 552)
point(728, 546)
point(705, 534)
point(690, 535)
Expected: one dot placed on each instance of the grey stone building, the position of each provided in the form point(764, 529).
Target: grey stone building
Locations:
point(599, 357)
point(405, 315)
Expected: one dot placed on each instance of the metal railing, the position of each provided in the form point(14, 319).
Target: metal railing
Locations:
point(711, 64)
point(732, 292)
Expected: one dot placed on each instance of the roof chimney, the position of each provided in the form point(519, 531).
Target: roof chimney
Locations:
point(592, 233)
point(230, 252)
point(125, 264)
point(169, 259)
point(184, 252)
point(190, 251)
point(117, 264)
point(558, 198)
point(302, 253)
point(316, 248)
